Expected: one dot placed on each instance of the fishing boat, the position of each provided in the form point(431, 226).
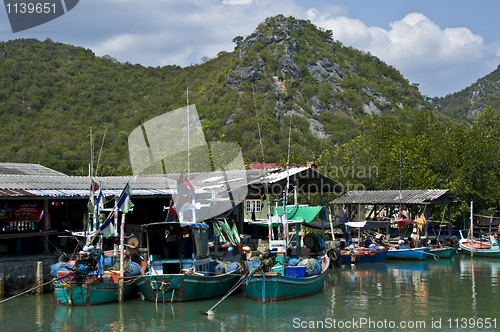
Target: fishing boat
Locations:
point(405, 252)
point(411, 249)
point(280, 277)
point(480, 248)
point(357, 255)
point(180, 267)
point(442, 251)
point(82, 284)
point(286, 283)
point(97, 276)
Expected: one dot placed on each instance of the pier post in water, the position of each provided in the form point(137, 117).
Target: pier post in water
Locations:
point(39, 277)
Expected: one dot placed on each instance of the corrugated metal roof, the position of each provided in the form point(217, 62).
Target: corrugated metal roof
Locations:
point(423, 196)
point(106, 193)
point(27, 169)
point(308, 180)
point(27, 182)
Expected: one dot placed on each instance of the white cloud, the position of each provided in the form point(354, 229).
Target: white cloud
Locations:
point(414, 45)
point(413, 42)
point(183, 28)
point(237, 2)
point(116, 44)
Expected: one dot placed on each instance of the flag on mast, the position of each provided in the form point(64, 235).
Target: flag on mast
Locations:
point(184, 189)
point(101, 200)
point(107, 229)
point(124, 202)
point(171, 213)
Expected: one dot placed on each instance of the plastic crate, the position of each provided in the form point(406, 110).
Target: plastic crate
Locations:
point(295, 271)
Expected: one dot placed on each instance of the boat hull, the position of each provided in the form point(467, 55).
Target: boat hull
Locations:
point(408, 254)
point(275, 286)
point(480, 249)
point(364, 257)
point(91, 292)
point(181, 287)
point(447, 252)
point(278, 287)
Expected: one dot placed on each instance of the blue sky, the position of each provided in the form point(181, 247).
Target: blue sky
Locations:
point(443, 45)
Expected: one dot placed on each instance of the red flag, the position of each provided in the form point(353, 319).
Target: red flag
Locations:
point(184, 189)
point(171, 213)
point(94, 186)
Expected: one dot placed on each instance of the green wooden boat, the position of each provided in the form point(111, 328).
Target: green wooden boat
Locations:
point(185, 287)
point(180, 267)
point(279, 279)
point(479, 248)
point(89, 292)
point(275, 286)
point(442, 252)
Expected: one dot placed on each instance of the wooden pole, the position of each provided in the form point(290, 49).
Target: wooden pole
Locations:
point(471, 232)
point(2, 287)
point(39, 277)
point(122, 249)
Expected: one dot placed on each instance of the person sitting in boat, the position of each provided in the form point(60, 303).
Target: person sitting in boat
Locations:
point(368, 241)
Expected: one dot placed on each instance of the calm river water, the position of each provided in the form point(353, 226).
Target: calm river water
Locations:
point(448, 294)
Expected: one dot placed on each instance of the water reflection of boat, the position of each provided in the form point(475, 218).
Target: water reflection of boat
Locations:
point(408, 266)
point(366, 269)
point(112, 317)
point(67, 318)
point(440, 264)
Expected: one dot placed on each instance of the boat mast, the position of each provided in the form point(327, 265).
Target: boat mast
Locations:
point(285, 226)
point(471, 234)
point(265, 170)
point(187, 107)
point(400, 192)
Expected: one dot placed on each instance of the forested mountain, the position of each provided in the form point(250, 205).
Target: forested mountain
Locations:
point(51, 94)
point(471, 100)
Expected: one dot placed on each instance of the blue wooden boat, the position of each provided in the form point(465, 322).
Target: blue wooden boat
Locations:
point(363, 255)
point(406, 252)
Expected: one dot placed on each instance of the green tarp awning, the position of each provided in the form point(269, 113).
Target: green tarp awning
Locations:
point(299, 214)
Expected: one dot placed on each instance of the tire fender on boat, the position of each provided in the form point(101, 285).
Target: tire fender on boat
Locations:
point(335, 256)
